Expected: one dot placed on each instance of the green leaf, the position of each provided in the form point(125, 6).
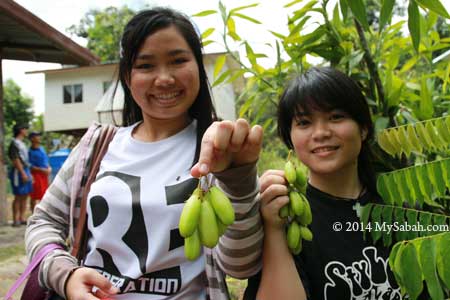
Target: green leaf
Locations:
point(365, 214)
point(292, 3)
point(444, 164)
point(250, 54)
point(409, 183)
point(246, 18)
point(414, 23)
point(424, 138)
point(355, 59)
point(409, 64)
point(426, 102)
point(385, 144)
point(399, 216)
point(443, 263)
point(404, 141)
point(400, 187)
point(344, 8)
point(386, 12)
point(358, 9)
point(413, 139)
point(376, 218)
point(236, 75)
point(446, 78)
point(220, 62)
point(439, 220)
point(387, 219)
point(439, 179)
point(278, 35)
point(231, 25)
point(436, 6)
point(425, 186)
point(442, 130)
point(206, 43)
point(221, 78)
point(234, 10)
point(427, 255)
point(397, 266)
point(297, 28)
point(393, 255)
point(437, 141)
point(383, 190)
point(392, 188)
point(425, 220)
point(223, 12)
point(411, 219)
point(417, 190)
point(410, 271)
point(207, 33)
point(205, 13)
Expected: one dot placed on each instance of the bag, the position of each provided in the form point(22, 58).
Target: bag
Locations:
point(32, 289)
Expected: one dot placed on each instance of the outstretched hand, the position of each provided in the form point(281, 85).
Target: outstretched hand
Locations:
point(226, 144)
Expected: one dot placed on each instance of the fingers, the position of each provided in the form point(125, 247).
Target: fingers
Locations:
point(86, 283)
point(272, 192)
point(271, 177)
point(222, 139)
point(240, 132)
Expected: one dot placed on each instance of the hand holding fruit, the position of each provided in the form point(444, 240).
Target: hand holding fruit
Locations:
point(228, 143)
point(204, 219)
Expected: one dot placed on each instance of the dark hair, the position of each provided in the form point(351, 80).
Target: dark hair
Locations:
point(136, 31)
point(325, 89)
point(18, 127)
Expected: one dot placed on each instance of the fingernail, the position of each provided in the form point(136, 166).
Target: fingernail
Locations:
point(203, 168)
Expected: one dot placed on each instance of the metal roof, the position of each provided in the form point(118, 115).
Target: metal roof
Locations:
point(24, 36)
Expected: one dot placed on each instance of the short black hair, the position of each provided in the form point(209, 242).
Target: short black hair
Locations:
point(325, 89)
point(18, 127)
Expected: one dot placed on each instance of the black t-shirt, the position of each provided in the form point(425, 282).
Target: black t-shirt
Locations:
point(340, 264)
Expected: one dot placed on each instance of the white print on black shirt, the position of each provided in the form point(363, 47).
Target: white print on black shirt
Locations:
point(363, 280)
point(131, 241)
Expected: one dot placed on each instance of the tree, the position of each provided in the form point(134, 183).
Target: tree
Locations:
point(103, 30)
point(17, 107)
point(403, 86)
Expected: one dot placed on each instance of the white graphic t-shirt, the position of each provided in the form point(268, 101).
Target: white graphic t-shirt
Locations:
point(133, 212)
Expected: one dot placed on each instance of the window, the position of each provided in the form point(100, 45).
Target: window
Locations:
point(106, 85)
point(72, 93)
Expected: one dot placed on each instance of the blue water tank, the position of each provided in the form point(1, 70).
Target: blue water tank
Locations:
point(56, 160)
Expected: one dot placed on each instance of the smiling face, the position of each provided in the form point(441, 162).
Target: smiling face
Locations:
point(328, 143)
point(164, 80)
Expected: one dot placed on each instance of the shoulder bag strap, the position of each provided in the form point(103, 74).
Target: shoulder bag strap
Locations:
point(101, 146)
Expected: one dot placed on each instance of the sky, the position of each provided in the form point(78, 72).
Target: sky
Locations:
point(62, 14)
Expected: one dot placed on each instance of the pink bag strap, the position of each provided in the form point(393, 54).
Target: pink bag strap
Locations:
point(34, 262)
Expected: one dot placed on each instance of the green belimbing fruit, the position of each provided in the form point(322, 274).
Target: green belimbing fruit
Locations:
point(222, 205)
point(204, 218)
point(289, 172)
point(207, 225)
point(293, 235)
point(296, 202)
point(297, 211)
point(192, 246)
point(190, 214)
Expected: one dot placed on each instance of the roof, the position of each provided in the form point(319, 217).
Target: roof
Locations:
point(24, 36)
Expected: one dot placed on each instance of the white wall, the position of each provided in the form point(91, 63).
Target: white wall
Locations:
point(60, 116)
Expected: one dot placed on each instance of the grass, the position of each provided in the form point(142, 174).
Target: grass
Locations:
point(14, 250)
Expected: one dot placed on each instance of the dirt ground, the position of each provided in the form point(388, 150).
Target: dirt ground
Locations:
point(12, 254)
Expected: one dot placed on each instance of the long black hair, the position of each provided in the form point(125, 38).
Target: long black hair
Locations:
point(136, 31)
point(325, 89)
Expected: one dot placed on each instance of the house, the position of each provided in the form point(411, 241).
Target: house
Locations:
point(76, 96)
point(24, 36)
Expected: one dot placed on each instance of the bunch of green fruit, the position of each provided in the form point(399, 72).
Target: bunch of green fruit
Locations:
point(297, 211)
point(204, 218)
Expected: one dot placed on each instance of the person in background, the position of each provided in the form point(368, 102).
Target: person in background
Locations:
point(40, 168)
point(19, 173)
